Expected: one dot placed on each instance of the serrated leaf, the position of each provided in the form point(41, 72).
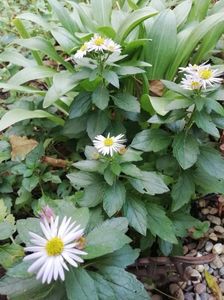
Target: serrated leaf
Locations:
point(151, 140)
point(159, 224)
point(79, 285)
point(114, 198)
point(185, 150)
point(136, 214)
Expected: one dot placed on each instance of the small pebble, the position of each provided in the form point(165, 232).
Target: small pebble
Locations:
point(219, 229)
point(185, 250)
point(221, 271)
point(189, 296)
point(192, 253)
point(200, 288)
point(208, 246)
point(195, 276)
point(202, 203)
point(215, 220)
point(191, 246)
point(204, 296)
point(213, 237)
point(216, 263)
point(221, 286)
point(218, 248)
point(197, 297)
point(222, 257)
point(205, 211)
point(176, 291)
point(200, 268)
point(213, 210)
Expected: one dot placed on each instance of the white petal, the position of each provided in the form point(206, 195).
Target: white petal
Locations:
point(69, 259)
point(37, 264)
point(48, 268)
point(46, 230)
point(34, 249)
point(33, 256)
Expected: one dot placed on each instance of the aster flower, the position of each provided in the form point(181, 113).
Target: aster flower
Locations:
point(81, 52)
point(191, 83)
point(55, 249)
point(192, 68)
point(97, 43)
point(111, 46)
point(110, 144)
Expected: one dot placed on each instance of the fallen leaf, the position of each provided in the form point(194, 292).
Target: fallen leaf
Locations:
point(156, 87)
point(21, 146)
point(213, 285)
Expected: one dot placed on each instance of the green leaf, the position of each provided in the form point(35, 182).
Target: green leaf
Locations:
point(199, 10)
point(105, 239)
point(183, 221)
point(206, 183)
point(151, 140)
point(63, 16)
point(114, 198)
point(93, 195)
point(10, 254)
point(136, 214)
point(25, 225)
point(43, 45)
point(79, 285)
point(181, 12)
point(31, 73)
point(63, 82)
point(18, 114)
point(111, 77)
point(149, 183)
point(82, 179)
point(204, 121)
point(211, 162)
point(127, 102)
point(14, 57)
point(102, 11)
point(6, 230)
point(129, 70)
point(19, 270)
point(97, 123)
point(160, 51)
point(159, 224)
point(104, 290)
point(182, 191)
point(124, 284)
point(80, 105)
point(132, 20)
point(120, 258)
point(29, 183)
point(65, 39)
point(185, 150)
point(101, 97)
point(89, 165)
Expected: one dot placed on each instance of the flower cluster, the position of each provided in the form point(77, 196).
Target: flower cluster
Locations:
point(110, 144)
point(199, 77)
point(58, 245)
point(98, 44)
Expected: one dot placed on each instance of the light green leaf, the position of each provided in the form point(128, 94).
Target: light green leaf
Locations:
point(114, 198)
point(93, 195)
point(151, 140)
point(159, 224)
point(102, 11)
point(181, 12)
point(185, 150)
point(182, 191)
point(25, 225)
point(79, 285)
point(6, 230)
point(160, 51)
point(18, 114)
point(82, 179)
point(132, 20)
point(10, 254)
point(136, 214)
point(14, 57)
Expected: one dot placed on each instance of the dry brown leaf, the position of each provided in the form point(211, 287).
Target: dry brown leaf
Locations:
point(21, 146)
point(55, 162)
point(156, 87)
point(213, 285)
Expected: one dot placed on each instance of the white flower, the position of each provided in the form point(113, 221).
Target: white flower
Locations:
point(81, 52)
point(203, 73)
point(97, 43)
point(51, 252)
point(191, 83)
point(111, 46)
point(110, 144)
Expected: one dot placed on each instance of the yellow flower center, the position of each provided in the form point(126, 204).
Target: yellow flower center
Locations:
point(205, 74)
point(99, 41)
point(108, 142)
point(195, 85)
point(83, 48)
point(54, 246)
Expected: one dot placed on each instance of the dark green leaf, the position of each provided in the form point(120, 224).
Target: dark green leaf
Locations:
point(81, 105)
point(151, 140)
point(185, 150)
point(101, 97)
point(204, 121)
point(114, 198)
point(127, 102)
point(97, 123)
